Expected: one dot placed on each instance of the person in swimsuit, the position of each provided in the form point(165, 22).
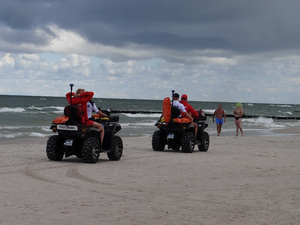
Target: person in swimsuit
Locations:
point(220, 116)
point(238, 114)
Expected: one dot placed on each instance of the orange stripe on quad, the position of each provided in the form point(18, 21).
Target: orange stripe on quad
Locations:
point(181, 120)
point(60, 119)
point(96, 116)
point(167, 109)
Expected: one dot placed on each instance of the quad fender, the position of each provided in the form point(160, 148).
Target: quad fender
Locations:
point(109, 130)
point(201, 126)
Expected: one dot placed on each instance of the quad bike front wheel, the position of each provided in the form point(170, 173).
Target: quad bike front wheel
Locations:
point(116, 149)
point(187, 142)
point(204, 145)
point(158, 143)
point(54, 148)
point(90, 150)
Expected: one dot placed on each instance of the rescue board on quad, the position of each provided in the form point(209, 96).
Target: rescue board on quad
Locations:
point(179, 133)
point(74, 138)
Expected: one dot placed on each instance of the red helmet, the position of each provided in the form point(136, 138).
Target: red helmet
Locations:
point(184, 97)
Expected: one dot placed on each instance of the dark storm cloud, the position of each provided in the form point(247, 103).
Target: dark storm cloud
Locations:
point(237, 25)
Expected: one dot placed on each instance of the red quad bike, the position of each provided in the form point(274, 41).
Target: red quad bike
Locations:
point(74, 138)
point(178, 133)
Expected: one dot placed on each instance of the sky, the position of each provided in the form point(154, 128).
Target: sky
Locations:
point(224, 51)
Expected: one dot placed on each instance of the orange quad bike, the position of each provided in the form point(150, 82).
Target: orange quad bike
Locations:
point(74, 138)
point(179, 133)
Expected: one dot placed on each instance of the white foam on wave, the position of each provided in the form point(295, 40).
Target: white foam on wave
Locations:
point(57, 109)
point(141, 115)
point(11, 135)
point(36, 134)
point(12, 110)
point(285, 106)
point(265, 122)
point(135, 125)
point(209, 111)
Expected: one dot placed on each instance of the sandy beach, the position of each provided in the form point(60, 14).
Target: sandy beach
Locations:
point(240, 180)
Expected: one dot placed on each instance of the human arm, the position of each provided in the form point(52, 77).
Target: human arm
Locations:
point(192, 111)
point(188, 116)
point(224, 116)
point(70, 95)
point(101, 113)
point(238, 112)
point(86, 96)
point(213, 117)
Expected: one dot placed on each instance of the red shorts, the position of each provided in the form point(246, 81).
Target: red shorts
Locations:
point(89, 123)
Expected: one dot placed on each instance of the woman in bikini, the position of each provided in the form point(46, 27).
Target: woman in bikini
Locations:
point(238, 114)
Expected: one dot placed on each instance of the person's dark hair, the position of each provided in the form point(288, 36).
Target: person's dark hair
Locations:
point(176, 95)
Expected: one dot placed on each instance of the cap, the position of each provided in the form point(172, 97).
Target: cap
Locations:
point(184, 97)
point(238, 104)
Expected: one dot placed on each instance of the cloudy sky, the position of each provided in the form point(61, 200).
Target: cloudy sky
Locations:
point(221, 50)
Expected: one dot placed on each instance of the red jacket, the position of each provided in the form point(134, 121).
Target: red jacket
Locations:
point(189, 109)
point(81, 101)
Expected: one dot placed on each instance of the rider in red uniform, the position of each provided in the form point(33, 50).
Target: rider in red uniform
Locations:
point(188, 107)
point(81, 99)
point(190, 110)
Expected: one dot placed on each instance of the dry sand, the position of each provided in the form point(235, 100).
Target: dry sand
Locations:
point(240, 180)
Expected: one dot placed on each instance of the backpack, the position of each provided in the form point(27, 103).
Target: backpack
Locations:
point(75, 113)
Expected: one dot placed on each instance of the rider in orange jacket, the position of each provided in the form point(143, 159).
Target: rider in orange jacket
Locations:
point(81, 98)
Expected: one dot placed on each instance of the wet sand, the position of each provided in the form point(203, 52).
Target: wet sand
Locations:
point(240, 180)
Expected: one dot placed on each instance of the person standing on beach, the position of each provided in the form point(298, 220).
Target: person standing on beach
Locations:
point(238, 114)
point(220, 116)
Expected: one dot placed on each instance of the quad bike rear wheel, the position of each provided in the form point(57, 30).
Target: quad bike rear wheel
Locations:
point(90, 150)
point(116, 150)
point(187, 142)
point(158, 142)
point(54, 148)
point(204, 145)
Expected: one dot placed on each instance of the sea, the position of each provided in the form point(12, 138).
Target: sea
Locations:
point(31, 116)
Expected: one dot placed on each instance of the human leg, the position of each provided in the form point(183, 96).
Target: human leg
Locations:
point(196, 128)
point(237, 127)
point(220, 128)
point(101, 129)
point(240, 126)
point(219, 123)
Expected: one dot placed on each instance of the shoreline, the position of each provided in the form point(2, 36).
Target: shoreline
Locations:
point(284, 132)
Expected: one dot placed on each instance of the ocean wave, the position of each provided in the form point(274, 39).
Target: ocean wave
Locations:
point(12, 110)
point(208, 111)
point(285, 106)
point(36, 134)
point(265, 122)
point(135, 125)
point(290, 113)
point(59, 108)
point(11, 135)
point(139, 115)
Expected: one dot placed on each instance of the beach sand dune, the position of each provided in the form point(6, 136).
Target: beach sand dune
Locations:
point(243, 180)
